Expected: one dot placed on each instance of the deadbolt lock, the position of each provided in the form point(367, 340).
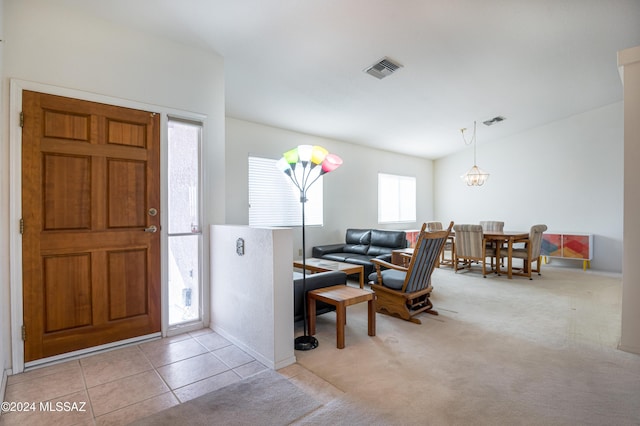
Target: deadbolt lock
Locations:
point(153, 212)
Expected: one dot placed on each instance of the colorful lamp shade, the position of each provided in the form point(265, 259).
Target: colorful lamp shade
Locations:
point(291, 157)
point(318, 154)
point(330, 163)
point(304, 153)
point(284, 166)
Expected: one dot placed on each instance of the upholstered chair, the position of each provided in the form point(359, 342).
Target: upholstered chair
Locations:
point(529, 252)
point(449, 245)
point(492, 226)
point(471, 248)
point(434, 226)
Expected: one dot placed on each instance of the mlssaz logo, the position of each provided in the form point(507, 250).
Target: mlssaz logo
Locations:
point(65, 406)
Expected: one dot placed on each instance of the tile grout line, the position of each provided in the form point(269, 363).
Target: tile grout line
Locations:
point(86, 390)
point(138, 349)
point(160, 375)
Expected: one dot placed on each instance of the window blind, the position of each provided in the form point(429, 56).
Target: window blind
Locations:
point(275, 201)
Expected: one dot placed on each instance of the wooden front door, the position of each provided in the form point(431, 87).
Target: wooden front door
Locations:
point(90, 201)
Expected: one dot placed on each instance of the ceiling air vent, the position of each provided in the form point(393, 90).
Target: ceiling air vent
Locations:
point(494, 120)
point(383, 68)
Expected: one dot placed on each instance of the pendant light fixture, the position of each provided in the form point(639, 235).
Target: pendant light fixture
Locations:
point(475, 176)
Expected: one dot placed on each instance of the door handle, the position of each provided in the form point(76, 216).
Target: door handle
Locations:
point(152, 228)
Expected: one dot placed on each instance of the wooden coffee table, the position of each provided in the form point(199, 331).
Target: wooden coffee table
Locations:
point(341, 296)
point(314, 264)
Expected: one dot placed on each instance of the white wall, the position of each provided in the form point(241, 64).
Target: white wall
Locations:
point(60, 47)
point(629, 59)
point(63, 48)
point(567, 174)
point(251, 295)
point(350, 193)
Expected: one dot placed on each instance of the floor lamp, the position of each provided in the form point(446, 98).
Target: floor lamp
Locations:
point(300, 164)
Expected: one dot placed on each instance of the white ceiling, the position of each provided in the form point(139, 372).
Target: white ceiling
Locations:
point(299, 64)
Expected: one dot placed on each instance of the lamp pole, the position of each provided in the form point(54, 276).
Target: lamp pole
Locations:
point(308, 157)
point(304, 342)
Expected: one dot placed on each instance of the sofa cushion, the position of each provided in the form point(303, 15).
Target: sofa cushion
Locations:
point(339, 257)
point(358, 236)
point(356, 248)
point(357, 241)
point(386, 257)
point(391, 239)
point(358, 259)
point(375, 251)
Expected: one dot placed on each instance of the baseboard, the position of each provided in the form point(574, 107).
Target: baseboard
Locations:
point(630, 349)
point(272, 364)
point(3, 385)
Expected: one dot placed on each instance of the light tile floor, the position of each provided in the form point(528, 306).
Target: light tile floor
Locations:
point(119, 386)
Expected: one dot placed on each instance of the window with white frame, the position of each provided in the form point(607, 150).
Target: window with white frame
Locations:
point(275, 201)
point(396, 198)
point(184, 221)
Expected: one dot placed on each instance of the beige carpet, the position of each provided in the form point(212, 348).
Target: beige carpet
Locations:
point(502, 352)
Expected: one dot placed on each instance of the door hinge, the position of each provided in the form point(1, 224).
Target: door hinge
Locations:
point(21, 225)
point(21, 119)
point(24, 333)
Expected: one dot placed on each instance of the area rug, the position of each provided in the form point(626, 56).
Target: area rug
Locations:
point(265, 399)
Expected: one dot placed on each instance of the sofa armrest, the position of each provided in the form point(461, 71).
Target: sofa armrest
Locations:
point(385, 257)
point(319, 251)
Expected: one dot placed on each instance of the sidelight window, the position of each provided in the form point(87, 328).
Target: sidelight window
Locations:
point(184, 222)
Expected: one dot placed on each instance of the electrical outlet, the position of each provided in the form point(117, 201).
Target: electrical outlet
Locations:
point(299, 252)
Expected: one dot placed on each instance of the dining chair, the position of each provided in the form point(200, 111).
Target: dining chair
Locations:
point(471, 247)
point(529, 252)
point(492, 226)
point(448, 246)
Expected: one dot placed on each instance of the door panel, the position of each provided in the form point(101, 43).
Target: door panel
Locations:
point(127, 283)
point(90, 174)
point(67, 282)
point(126, 197)
point(67, 202)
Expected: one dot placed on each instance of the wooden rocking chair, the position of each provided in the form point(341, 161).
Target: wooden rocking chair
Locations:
point(404, 291)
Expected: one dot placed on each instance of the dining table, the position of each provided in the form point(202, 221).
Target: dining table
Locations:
point(499, 239)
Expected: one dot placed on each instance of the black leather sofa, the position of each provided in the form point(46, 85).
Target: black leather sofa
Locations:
point(362, 245)
point(314, 281)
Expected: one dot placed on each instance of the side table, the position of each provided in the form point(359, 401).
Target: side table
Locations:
point(341, 296)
